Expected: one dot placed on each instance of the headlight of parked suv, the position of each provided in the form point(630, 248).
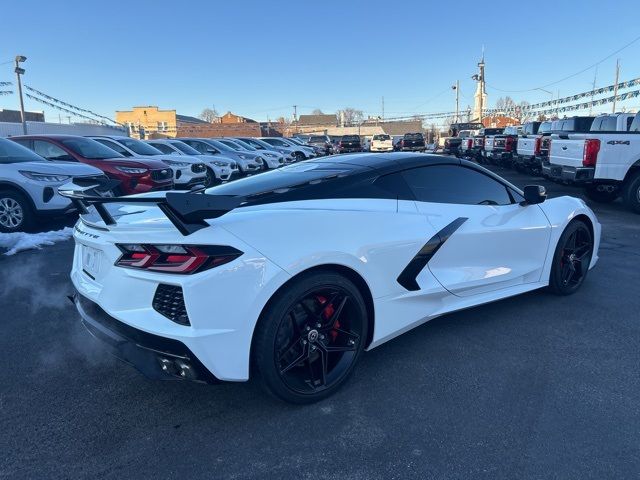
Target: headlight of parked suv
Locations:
point(132, 170)
point(45, 177)
point(243, 157)
point(267, 154)
point(173, 163)
point(220, 164)
point(258, 160)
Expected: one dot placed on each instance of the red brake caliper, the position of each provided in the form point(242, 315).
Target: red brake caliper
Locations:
point(327, 312)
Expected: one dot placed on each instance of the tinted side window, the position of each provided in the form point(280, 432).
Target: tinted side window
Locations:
point(163, 148)
point(114, 146)
point(455, 184)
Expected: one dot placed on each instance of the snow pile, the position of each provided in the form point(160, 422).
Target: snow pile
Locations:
point(18, 241)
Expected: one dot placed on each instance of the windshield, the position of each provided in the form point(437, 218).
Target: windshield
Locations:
point(318, 139)
point(230, 144)
point(245, 145)
point(184, 148)
point(138, 146)
point(88, 148)
point(350, 138)
point(11, 152)
point(296, 141)
point(219, 145)
point(277, 142)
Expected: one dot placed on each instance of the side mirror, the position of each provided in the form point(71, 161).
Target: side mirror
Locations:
point(534, 194)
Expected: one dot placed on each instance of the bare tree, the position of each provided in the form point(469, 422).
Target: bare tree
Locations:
point(317, 111)
point(209, 115)
point(351, 116)
point(504, 104)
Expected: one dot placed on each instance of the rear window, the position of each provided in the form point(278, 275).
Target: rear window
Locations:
point(604, 124)
point(574, 124)
point(317, 139)
point(413, 136)
point(381, 137)
point(531, 128)
point(493, 131)
point(351, 138)
point(635, 124)
point(12, 152)
point(281, 180)
point(545, 127)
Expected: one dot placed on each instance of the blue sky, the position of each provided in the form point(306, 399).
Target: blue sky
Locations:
point(258, 58)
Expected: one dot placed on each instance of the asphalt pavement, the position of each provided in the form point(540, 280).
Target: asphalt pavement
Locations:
point(535, 386)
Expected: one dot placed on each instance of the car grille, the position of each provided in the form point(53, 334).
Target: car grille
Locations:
point(161, 175)
point(169, 301)
point(198, 168)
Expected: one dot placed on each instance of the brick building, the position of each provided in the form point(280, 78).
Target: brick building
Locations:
point(152, 122)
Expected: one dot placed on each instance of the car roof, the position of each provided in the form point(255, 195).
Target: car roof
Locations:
point(54, 136)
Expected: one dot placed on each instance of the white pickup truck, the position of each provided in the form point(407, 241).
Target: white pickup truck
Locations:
point(606, 159)
point(530, 147)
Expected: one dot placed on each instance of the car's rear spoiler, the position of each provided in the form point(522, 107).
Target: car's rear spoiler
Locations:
point(187, 211)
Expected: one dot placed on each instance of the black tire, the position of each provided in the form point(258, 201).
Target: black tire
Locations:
point(632, 193)
point(295, 359)
point(571, 259)
point(299, 156)
point(16, 213)
point(601, 196)
point(210, 178)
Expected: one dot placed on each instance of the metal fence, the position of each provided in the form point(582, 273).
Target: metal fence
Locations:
point(8, 129)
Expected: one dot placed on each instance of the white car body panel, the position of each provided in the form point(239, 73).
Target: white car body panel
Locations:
point(377, 239)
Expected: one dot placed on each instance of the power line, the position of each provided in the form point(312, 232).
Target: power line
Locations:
point(572, 75)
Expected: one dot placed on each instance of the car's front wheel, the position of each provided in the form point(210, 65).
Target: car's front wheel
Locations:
point(310, 337)
point(571, 259)
point(632, 193)
point(16, 214)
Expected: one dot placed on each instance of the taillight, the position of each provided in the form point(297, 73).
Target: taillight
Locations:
point(590, 153)
point(508, 144)
point(180, 259)
point(537, 146)
point(469, 144)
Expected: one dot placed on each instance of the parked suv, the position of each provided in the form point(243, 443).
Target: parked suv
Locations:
point(323, 142)
point(29, 186)
point(219, 169)
point(263, 146)
point(187, 171)
point(349, 144)
point(248, 162)
point(136, 175)
point(413, 142)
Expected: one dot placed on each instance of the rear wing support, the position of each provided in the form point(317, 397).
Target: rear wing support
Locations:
point(186, 211)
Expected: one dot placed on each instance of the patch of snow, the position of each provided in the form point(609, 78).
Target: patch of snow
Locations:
point(19, 241)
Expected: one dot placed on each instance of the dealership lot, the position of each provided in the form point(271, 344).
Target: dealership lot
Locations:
point(533, 386)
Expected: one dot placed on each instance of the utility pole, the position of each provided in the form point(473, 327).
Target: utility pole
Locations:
point(615, 87)
point(20, 71)
point(383, 108)
point(295, 117)
point(593, 87)
point(456, 87)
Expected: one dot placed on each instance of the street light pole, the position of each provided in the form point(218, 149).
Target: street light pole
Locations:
point(20, 71)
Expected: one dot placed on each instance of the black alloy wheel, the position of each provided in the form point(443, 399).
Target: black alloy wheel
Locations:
point(571, 259)
point(310, 338)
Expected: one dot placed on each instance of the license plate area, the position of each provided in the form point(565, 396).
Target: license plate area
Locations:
point(91, 260)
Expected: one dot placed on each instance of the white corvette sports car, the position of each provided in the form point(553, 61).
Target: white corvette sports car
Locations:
point(289, 275)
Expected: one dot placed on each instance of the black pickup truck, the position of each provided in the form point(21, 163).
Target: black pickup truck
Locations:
point(413, 142)
point(504, 146)
point(349, 144)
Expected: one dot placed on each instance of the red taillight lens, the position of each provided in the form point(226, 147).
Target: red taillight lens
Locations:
point(508, 144)
point(590, 153)
point(180, 259)
point(537, 146)
point(469, 144)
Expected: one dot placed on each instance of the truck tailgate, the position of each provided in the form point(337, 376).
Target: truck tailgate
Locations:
point(526, 146)
point(567, 152)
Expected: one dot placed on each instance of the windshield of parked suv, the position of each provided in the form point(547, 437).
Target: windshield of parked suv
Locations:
point(381, 137)
point(11, 152)
point(277, 142)
point(258, 144)
point(138, 146)
point(88, 148)
point(230, 144)
point(318, 139)
point(186, 149)
point(245, 145)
